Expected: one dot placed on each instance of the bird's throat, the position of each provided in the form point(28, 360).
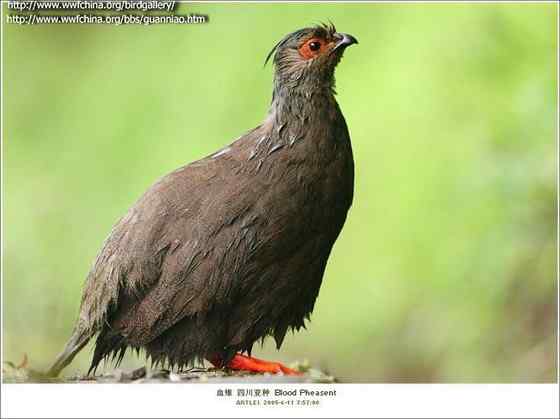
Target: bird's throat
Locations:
point(297, 108)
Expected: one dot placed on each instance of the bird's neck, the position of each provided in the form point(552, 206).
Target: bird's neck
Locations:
point(296, 108)
point(297, 103)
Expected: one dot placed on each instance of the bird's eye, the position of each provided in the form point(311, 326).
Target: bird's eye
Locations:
point(314, 45)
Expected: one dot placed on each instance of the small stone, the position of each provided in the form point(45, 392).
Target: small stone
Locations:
point(158, 374)
point(174, 377)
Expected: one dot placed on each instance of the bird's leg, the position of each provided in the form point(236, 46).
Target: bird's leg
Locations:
point(247, 363)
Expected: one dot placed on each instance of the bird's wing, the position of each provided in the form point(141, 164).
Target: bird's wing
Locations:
point(162, 260)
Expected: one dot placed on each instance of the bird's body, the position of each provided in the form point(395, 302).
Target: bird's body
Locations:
point(229, 249)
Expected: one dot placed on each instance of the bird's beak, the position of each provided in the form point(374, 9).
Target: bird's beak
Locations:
point(345, 40)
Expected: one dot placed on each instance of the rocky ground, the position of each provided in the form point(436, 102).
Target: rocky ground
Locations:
point(22, 373)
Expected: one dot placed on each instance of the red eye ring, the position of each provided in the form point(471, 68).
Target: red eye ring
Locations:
point(311, 48)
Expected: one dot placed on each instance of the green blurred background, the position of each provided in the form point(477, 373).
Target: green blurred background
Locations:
point(446, 268)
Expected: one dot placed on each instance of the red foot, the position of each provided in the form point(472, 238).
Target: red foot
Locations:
point(247, 363)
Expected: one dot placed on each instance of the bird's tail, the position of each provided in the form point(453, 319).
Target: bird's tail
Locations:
point(78, 340)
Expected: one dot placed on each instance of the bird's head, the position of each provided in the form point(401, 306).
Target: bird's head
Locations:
point(309, 56)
